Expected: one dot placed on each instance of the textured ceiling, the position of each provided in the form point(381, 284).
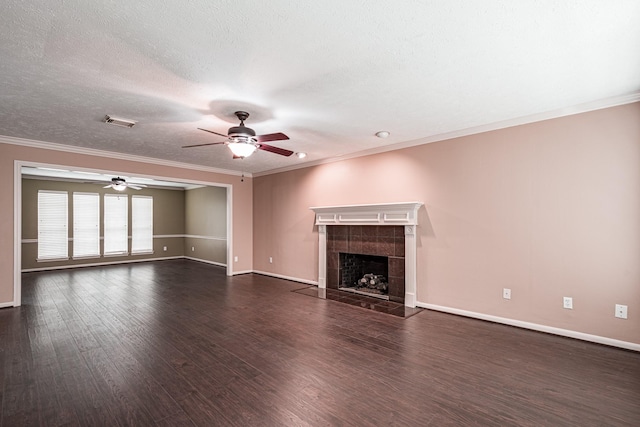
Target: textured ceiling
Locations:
point(328, 74)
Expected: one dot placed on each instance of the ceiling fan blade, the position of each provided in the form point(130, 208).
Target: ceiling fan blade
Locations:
point(276, 150)
point(107, 186)
point(202, 145)
point(215, 133)
point(134, 186)
point(272, 137)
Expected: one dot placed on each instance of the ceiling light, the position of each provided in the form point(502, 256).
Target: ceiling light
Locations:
point(241, 149)
point(127, 123)
point(119, 187)
point(382, 134)
point(301, 155)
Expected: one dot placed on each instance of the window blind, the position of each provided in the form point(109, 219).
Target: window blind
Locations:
point(86, 225)
point(141, 224)
point(53, 219)
point(116, 223)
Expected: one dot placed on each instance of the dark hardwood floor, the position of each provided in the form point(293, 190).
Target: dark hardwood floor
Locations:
point(177, 343)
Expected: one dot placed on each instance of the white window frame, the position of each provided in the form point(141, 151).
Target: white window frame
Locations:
point(141, 225)
point(53, 225)
point(116, 224)
point(86, 225)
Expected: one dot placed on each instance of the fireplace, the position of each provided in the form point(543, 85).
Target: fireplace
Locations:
point(372, 231)
point(364, 274)
point(373, 244)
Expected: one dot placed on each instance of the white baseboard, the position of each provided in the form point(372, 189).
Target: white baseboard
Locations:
point(293, 279)
point(219, 264)
point(97, 264)
point(6, 304)
point(534, 326)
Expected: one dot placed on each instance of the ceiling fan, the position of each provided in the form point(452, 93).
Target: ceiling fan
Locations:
point(243, 141)
point(119, 184)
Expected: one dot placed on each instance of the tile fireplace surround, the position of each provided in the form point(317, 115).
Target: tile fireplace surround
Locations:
point(383, 241)
point(370, 229)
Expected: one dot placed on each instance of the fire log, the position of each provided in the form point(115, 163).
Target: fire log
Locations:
point(374, 281)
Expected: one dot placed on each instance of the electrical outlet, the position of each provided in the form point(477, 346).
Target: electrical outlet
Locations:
point(270, 260)
point(506, 293)
point(621, 311)
point(164, 248)
point(567, 302)
point(235, 259)
point(193, 248)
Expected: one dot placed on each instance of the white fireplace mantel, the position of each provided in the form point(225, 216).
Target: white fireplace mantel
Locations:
point(380, 214)
point(405, 214)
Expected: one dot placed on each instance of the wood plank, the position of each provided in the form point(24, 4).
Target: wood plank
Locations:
point(179, 343)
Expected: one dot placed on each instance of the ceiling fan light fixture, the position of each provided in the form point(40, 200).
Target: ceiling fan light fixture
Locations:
point(242, 149)
point(119, 187)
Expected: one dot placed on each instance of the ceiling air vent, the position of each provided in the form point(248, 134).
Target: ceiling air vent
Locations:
point(117, 121)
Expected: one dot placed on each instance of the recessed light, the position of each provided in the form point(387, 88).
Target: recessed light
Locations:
point(301, 155)
point(382, 134)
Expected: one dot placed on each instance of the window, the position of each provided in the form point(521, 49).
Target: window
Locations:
point(141, 224)
point(86, 225)
point(53, 219)
point(115, 224)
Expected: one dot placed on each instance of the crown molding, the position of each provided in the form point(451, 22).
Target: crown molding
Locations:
point(113, 155)
point(518, 121)
point(548, 115)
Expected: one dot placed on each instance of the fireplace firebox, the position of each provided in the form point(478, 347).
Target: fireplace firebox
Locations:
point(364, 274)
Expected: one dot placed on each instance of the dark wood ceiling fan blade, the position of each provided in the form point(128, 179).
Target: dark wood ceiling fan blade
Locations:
point(276, 150)
point(202, 145)
point(272, 137)
point(215, 133)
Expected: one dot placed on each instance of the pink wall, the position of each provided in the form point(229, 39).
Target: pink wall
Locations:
point(242, 199)
point(549, 209)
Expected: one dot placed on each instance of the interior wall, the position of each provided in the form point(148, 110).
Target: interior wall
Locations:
point(168, 222)
point(548, 210)
point(10, 153)
point(206, 224)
